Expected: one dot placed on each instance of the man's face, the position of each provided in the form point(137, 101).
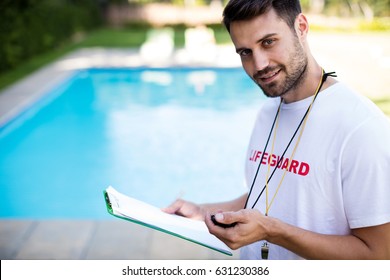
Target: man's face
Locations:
point(270, 52)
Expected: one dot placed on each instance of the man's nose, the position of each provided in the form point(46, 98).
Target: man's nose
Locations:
point(260, 61)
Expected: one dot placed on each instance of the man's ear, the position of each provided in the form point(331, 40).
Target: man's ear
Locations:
point(301, 26)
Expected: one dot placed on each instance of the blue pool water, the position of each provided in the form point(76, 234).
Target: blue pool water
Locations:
point(149, 133)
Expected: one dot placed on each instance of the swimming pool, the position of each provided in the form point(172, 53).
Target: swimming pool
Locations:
point(150, 133)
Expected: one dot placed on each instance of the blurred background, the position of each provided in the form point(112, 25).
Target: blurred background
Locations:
point(34, 33)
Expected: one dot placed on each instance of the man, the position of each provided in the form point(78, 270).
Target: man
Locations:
point(318, 165)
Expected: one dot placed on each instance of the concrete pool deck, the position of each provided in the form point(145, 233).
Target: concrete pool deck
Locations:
point(94, 240)
point(116, 239)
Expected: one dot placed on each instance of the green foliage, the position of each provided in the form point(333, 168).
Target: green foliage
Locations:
point(381, 8)
point(305, 4)
point(174, 2)
point(130, 37)
point(31, 27)
point(378, 8)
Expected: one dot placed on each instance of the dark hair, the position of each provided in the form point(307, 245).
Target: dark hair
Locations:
point(287, 10)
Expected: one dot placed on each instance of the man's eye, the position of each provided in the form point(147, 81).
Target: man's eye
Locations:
point(245, 52)
point(268, 42)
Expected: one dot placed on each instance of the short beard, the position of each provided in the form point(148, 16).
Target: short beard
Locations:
point(295, 76)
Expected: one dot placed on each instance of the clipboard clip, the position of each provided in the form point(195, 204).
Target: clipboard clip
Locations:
point(107, 198)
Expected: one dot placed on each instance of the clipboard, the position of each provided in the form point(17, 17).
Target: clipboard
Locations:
point(139, 212)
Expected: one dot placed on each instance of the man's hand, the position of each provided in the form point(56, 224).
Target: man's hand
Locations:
point(251, 226)
point(186, 209)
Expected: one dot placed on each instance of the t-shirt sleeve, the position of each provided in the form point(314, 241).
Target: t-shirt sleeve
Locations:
point(365, 174)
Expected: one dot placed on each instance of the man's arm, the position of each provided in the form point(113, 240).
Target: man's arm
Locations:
point(363, 243)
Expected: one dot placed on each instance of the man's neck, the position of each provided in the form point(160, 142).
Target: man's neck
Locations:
point(308, 87)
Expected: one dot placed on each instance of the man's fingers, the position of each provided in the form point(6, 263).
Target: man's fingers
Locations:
point(174, 208)
point(186, 209)
point(230, 217)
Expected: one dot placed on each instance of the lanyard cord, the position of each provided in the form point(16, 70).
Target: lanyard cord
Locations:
point(262, 157)
point(322, 81)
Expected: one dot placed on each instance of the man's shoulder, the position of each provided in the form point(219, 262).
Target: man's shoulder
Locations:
point(349, 104)
point(354, 114)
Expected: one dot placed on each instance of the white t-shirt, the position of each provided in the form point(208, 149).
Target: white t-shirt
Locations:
point(339, 178)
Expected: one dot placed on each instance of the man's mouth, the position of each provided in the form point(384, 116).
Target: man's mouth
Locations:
point(268, 77)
